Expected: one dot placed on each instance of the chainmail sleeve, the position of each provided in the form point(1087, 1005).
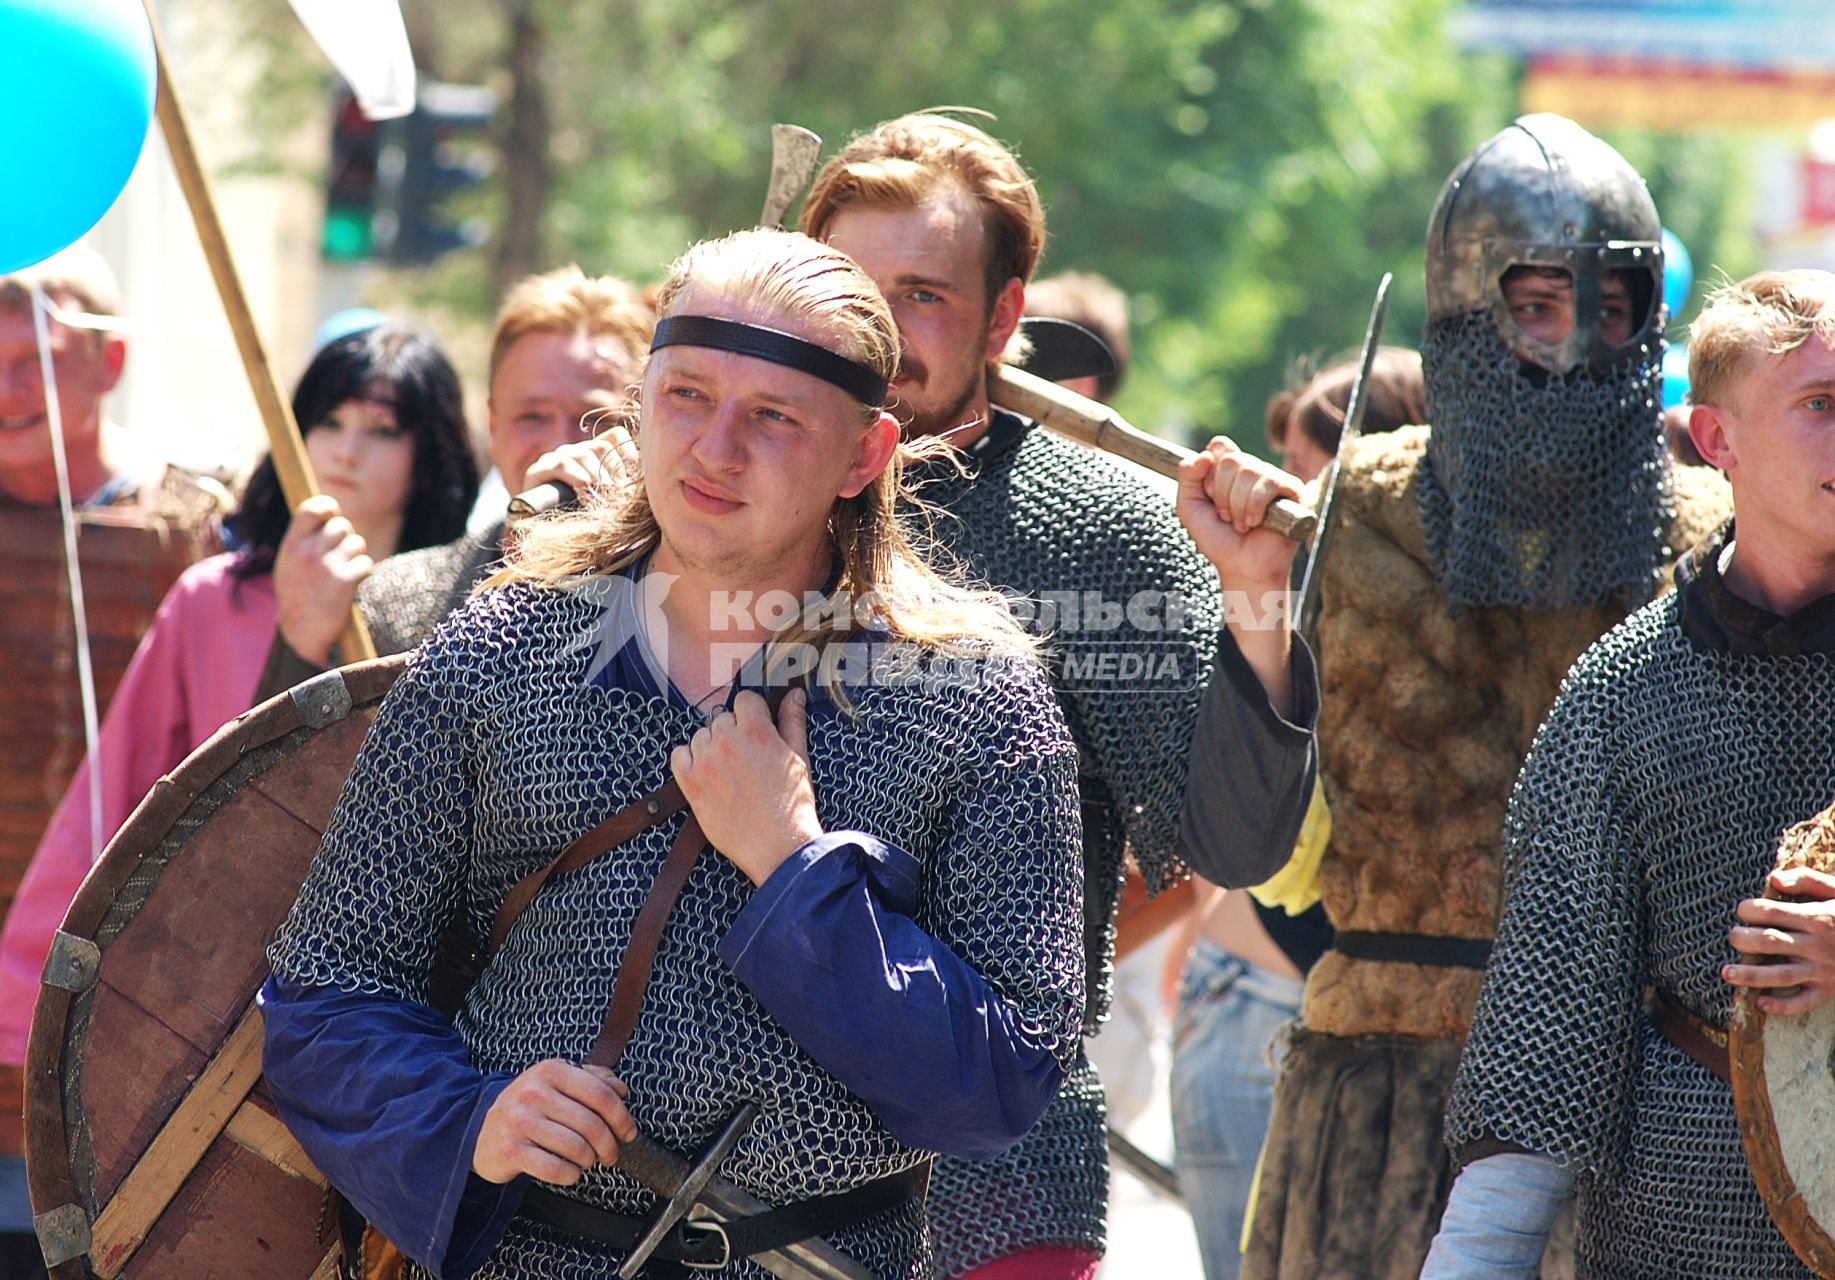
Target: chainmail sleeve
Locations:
point(392, 862)
point(1135, 733)
point(1004, 891)
point(1552, 1056)
point(1095, 557)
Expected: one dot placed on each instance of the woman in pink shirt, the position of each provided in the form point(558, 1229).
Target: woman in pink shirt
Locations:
point(385, 430)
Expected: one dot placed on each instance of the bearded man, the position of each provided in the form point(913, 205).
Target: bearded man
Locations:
point(948, 223)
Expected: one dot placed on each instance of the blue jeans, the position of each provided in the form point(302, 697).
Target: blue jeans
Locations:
point(1223, 1089)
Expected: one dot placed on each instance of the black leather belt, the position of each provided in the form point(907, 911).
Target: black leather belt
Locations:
point(1414, 948)
point(706, 1245)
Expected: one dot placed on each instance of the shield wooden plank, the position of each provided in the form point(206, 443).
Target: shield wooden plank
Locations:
point(151, 1148)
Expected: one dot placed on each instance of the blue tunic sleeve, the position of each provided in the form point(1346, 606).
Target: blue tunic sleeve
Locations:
point(405, 1086)
point(946, 992)
point(829, 948)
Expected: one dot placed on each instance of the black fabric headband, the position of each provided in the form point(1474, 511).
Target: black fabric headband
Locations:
point(858, 380)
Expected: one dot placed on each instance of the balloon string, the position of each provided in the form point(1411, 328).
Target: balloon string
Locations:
point(86, 679)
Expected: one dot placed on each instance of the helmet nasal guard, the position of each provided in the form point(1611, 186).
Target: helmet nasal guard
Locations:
point(1546, 193)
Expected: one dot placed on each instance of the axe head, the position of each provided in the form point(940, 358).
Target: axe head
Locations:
point(795, 153)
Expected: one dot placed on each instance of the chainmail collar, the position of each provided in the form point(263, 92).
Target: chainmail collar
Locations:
point(636, 665)
point(1544, 493)
point(1715, 620)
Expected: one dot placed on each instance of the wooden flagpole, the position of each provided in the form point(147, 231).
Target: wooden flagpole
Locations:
point(285, 443)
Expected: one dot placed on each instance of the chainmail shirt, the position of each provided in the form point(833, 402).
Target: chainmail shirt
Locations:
point(493, 751)
point(1545, 492)
point(408, 593)
point(1650, 805)
point(1039, 517)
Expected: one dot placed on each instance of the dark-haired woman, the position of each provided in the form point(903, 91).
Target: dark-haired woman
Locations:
point(385, 431)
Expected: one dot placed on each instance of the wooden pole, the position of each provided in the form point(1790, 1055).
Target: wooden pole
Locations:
point(285, 445)
point(1094, 424)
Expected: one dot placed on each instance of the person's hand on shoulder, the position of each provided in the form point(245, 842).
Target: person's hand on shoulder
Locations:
point(317, 567)
point(606, 463)
point(748, 782)
point(1792, 942)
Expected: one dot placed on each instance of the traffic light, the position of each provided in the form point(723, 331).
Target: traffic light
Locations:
point(426, 158)
point(350, 187)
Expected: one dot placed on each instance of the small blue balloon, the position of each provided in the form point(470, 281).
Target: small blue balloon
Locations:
point(1675, 375)
point(341, 324)
point(1678, 273)
point(76, 96)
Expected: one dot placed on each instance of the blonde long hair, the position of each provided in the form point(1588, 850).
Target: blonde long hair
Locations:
point(876, 551)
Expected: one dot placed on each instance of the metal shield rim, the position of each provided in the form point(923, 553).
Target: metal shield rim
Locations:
point(49, 1176)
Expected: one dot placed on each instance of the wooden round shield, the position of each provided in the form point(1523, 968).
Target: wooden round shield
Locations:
point(151, 1147)
point(1789, 1059)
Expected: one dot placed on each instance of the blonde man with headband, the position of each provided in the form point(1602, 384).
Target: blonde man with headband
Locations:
point(565, 355)
point(947, 223)
point(877, 950)
point(1644, 826)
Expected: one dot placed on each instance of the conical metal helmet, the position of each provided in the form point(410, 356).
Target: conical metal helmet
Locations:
point(1546, 193)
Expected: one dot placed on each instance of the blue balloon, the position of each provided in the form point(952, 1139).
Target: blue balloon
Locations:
point(1675, 375)
point(1678, 273)
point(76, 96)
point(341, 324)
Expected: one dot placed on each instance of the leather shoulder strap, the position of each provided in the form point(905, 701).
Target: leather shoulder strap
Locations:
point(638, 816)
point(647, 932)
point(646, 935)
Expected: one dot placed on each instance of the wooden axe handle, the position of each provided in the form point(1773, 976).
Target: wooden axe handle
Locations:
point(1090, 423)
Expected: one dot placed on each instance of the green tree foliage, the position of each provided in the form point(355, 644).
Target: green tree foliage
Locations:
point(1245, 169)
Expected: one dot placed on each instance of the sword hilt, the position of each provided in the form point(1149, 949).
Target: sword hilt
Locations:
point(663, 1172)
point(694, 1180)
